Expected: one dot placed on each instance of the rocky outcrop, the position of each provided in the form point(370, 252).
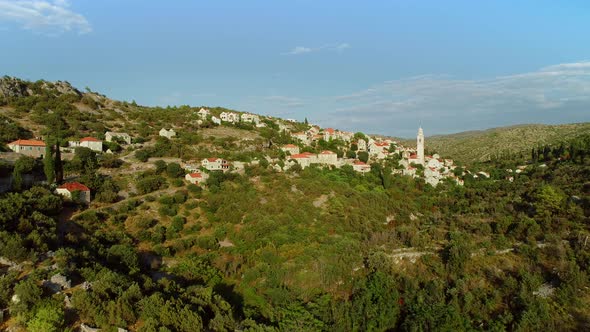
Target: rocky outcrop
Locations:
point(11, 87)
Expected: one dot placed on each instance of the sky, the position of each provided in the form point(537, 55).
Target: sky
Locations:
point(382, 67)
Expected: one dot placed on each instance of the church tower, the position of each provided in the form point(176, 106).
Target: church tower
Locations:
point(420, 146)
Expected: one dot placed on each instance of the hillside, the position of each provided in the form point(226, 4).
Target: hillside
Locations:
point(482, 145)
point(259, 246)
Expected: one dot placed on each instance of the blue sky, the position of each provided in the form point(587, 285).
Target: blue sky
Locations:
point(375, 66)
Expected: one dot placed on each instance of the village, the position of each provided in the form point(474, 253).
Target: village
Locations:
point(355, 150)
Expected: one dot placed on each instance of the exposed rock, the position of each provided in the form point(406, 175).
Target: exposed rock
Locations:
point(544, 291)
point(12, 87)
point(226, 243)
point(86, 328)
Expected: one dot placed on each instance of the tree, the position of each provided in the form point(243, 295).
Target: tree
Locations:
point(48, 318)
point(363, 156)
point(23, 165)
point(174, 170)
point(49, 164)
point(350, 154)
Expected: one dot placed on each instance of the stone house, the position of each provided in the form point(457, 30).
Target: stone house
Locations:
point(229, 117)
point(361, 167)
point(327, 157)
point(69, 189)
point(28, 147)
point(196, 178)
point(329, 134)
point(87, 142)
point(291, 148)
point(302, 159)
point(110, 136)
point(203, 113)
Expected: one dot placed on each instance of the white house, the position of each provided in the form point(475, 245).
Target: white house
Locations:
point(361, 167)
point(291, 148)
point(229, 117)
point(167, 133)
point(111, 135)
point(87, 142)
point(216, 120)
point(203, 113)
point(362, 145)
point(302, 159)
point(68, 189)
point(301, 136)
point(196, 178)
point(215, 164)
point(327, 157)
point(251, 118)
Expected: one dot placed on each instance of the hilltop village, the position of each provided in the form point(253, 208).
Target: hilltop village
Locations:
point(310, 145)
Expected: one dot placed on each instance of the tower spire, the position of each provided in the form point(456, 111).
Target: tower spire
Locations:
point(420, 145)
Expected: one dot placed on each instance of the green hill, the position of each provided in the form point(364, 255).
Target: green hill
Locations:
point(482, 145)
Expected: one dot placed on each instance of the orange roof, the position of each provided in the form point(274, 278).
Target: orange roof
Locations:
point(89, 139)
point(28, 142)
point(328, 152)
point(330, 130)
point(300, 156)
point(212, 159)
point(290, 146)
point(358, 162)
point(413, 156)
point(73, 186)
point(195, 175)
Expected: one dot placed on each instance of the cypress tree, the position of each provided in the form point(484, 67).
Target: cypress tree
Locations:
point(48, 164)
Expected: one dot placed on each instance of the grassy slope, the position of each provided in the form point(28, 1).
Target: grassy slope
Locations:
point(480, 145)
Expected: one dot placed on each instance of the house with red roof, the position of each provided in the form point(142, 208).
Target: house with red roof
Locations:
point(215, 164)
point(291, 148)
point(28, 147)
point(87, 142)
point(329, 134)
point(361, 167)
point(303, 159)
point(75, 191)
point(196, 177)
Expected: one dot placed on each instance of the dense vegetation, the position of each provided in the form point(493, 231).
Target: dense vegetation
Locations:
point(306, 250)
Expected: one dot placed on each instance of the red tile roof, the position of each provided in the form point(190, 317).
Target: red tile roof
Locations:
point(300, 156)
point(330, 130)
point(73, 186)
point(328, 152)
point(28, 142)
point(413, 156)
point(358, 162)
point(212, 160)
point(195, 175)
point(89, 139)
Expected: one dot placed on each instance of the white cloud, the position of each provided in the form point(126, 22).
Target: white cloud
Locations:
point(51, 17)
point(328, 47)
point(553, 94)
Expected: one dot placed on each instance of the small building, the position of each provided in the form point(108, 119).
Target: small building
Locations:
point(167, 133)
point(229, 117)
point(216, 120)
point(109, 136)
point(327, 157)
point(87, 142)
point(75, 191)
point(215, 164)
point(302, 159)
point(28, 147)
point(301, 136)
point(203, 113)
point(329, 134)
point(291, 148)
point(196, 178)
point(361, 167)
point(251, 118)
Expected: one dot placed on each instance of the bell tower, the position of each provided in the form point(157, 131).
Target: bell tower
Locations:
point(420, 146)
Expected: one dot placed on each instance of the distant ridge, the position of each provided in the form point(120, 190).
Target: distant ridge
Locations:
point(481, 145)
